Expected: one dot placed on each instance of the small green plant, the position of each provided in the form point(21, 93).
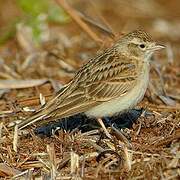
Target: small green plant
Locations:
point(36, 14)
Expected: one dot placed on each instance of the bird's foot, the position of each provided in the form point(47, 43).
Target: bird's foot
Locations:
point(104, 128)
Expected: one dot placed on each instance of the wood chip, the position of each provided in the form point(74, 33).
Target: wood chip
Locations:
point(19, 84)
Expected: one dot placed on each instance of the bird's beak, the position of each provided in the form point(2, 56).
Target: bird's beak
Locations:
point(156, 47)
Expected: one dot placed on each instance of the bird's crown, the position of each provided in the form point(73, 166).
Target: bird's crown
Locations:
point(139, 34)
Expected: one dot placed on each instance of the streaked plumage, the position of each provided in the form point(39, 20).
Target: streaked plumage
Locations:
point(110, 83)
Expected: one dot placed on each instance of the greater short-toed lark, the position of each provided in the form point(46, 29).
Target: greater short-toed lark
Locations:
point(110, 83)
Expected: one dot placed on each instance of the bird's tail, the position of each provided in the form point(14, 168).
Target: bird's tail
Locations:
point(45, 112)
point(34, 118)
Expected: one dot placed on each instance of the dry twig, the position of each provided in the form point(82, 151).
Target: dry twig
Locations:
point(78, 20)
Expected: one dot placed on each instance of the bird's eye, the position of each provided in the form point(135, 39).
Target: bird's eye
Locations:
point(142, 46)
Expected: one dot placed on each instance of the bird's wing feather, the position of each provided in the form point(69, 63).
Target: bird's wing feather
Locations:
point(113, 83)
point(102, 79)
point(96, 83)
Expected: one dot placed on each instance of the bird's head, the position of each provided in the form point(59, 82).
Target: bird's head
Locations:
point(139, 44)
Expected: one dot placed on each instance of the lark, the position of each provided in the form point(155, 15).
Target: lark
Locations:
point(111, 83)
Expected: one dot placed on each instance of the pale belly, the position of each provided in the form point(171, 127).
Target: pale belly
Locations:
point(122, 103)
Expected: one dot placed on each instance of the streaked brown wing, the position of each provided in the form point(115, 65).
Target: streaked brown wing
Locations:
point(102, 79)
point(113, 79)
point(100, 84)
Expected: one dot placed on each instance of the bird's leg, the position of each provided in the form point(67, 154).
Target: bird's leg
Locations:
point(104, 128)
